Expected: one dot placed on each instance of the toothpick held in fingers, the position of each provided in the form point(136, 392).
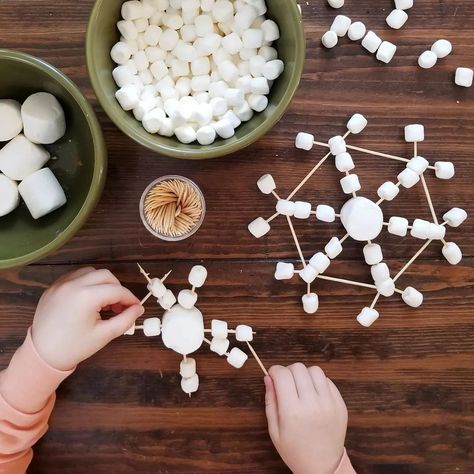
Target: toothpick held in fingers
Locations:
point(264, 370)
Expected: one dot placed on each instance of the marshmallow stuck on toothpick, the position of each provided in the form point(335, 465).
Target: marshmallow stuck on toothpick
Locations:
point(284, 271)
point(167, 300)
point(10, 119)
point(398, 226)
point(373, 254)
point(380, 272)
point(190, 385)
point(219, 329)
point(187, 298)
point(266, 184)
point(220, 346)
point(187, 367)
point(197, 276)
point(388, 191)
point(418, 164)
point(319, 262)
point(304, 141)
point(412, 297)
point(156, 288)
point(310, 303)
point(244, 333)
point(151, 327)
point(333, 248)
point(386, 288)
point(444, 170)
point(259, 227)
point(414, 133)
point(9, 196)
point(302, 210)
point(455, 217)
point(325, 213)
point(237, 358)
point(452, 253)
point(357, 124)
point(350, 184)
point(344, 162)
point(367, 317)
point(309, 273)
point(408, 178)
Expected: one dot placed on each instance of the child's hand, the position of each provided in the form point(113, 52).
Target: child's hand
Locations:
point(67, 327)
point(307, 418)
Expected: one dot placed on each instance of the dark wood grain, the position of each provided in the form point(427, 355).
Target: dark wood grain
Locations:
point(408, 381)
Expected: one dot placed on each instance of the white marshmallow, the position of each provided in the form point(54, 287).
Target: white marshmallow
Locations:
point(9, 196)
point(257, 102)
point(464, 77)
point(42, 193)
point(304, 141)
point(357, 31)
point(146, 77)
point(396, 19)
point(362, 219)
point(132, 10)
point(325, 213)
point(204, 25)
point(403, 4)
point(436, 232)
point(218, 106)
point(152, 327)
point(183, 86)
point(259, 5)
point(152, 120)
point(344, 162)
point(244, 112)
point(154, 53)
point(452, 253)
point(350, 184)
point(232, 43)
point(179, 68)
point(337, 145)
point(224, 128)
point(190, 385)
point(185, 52)
point(266, 184)
point(172, 21)
point(414, 133)
point(168, 39)
point(206, 135)
point(259, 85)
point(310, 303)
point(271, 32)
point(127, 30)
point(256, 62)
point(259, 227)
point(408, 178)
point(333, 248)
point(228, 71)
point(188, 33)
point(200, 83)
point(167, 127)
point(455, 217)
point(302, 210)
point(237, 358)
point(244, 83)
point(373, 254)
point(336, 3)
point(219, 329)
point(168, 300)
point(371, 42)
point(206, 5)
point(152, 35)
point(185, 134)
point(388, 191)
point(341, 25)
point(412, 297)
point(273, 69)
point(244, 333)
point(234, 97)
point(420, 229)
point(187, 367)
point(427, 60)
point(442, 48)
point(398, 226)
point(285, 207)
point(156, 288)
point(245, 16)
point(444, 170)
point(187, 298)
point(19, 158)
point(386, 52)
point(252, 38)
point(202, 113)
point(320, 262)
point(386, 288)
point(329, 39)
point(309, 273)
point(284, 271)
point(197, 276)
point(418, 164)
point(10, 119)
point(220, 346)
point(357, 124)
point(367, 317)
point(43, 118)
point(380, 272)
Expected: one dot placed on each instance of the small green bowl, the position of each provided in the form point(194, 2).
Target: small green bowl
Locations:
point(80, 164)
point(102, 34)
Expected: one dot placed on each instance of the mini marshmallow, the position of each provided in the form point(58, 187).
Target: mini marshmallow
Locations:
point(220, 346)
point(452, 253)
point(344, 162)
point(187, 367)
point(42, 193)
point(159, 69)
point(464, 77)
point(320, 262)
point(367, 317)
point(414, 133)
point(232, 43)
point(442, 48)
point(167, 301)
point(223, 11)
point(371, 42)
point(152, 35)
point(418, 164)
point(190, 385)
point(302, 210)
point(271, 32)
point(167, 127)
point(252, 38)
point(185, 52)
point(333, 248)
point(256, 63)
point(224, 128)
point(219, 329)
point(127, 30)
point(185, 134)
point(188, 33)
point(154, 53)
point(244, 83)
point(43, 118)
point(455, 217)
point(380, 272)
point(152, 120)
point(357, 123)
point(168, 40)
point(156, 288)
point(436, 232)
point(245, 16)
point(408, 178)
point(284, 271)
point(183, 86)
point(444, 169)
point(420, 229)
point(337, 145)
point(373, 254)
point(234, 97)
point(232, 118)
point(266, 184)
point(132, 10)
point(9, 196)
point(396, 19)
point(259, 227)
point(203, 25)
point(309, 273)
point(412, 297)
point(341, 25)
point(257, 102)
point(285, 207)
point(228, 71)
point(329, 39)
point(357, 31)
point(218, 106)
point(146, 77)
point(336, 3)
point(427, 60)
point(273, 69)
point(152, 327)
point(350, 184)
point(179, 68)
point(325, 213)
point(187, 298)
point(403, 4)
point(206, 135)
point(388, 191)
point(244, 112)
point(173, 21)
point(237, 358)
point(259, 85)
point(398, 226)
point(197, 276)
point(19, 158)
point(244, 333)
point(200, 83)
point(141, 25)
point(310, 303)
point(10, 119)
point(386, 52)
point(386, 288)
point(304, 141)
point(208, 45)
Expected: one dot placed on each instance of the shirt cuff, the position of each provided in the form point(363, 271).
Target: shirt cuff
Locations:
point(29, 381)
point(345, 466)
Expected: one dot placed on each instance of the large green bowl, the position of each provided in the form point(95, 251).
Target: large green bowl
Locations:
point(80, 164)
point(102, 34)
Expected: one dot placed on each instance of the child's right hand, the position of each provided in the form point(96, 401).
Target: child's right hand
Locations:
point(307, 418)
point(67, 327)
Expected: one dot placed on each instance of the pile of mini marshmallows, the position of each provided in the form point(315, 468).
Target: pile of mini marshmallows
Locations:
point(196, 69)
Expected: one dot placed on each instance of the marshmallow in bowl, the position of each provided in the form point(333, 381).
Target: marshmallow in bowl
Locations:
point(10, 119)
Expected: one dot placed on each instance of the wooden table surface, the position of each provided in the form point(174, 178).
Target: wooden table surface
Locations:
point(408, 381)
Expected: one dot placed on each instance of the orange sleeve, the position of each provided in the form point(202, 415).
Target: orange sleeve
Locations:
point(345, 466)
point(27, 396)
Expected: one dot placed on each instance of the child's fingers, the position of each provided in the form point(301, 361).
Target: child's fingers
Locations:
point(303, 381)
point(320, 381)
point(271, 408)
point(111, 294)
point(285, 388)
point(99, 277)
point(119, 324)
point(74, 274)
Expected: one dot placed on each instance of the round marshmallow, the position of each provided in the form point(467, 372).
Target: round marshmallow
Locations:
point(380, 272)
point(259, 227)
point(357, 31)
point(357, 123)
point(244, 333)
point(414, 133)
point(152, 327)
point(284, 271)
point(197, 276)
point(337, 145)
point(388, 191)
point(10, 119)
point(187, 367)
point(219, 329)
point(350, 184)
point(444, 170)
point(371, 42)
point(187, 298)
point(420, 229)
point(442, 48)
point(396, 19)
point(237, 358)
point(220, 346)
point(190, 385)
point(386, 52)
point(464, 77)
point(320, 262)
point(309, 273)
point(455, 217)
point(408, 178)
point(168, 300)
point(325, 213)
point(333, 248)
point(427, 60)
point(329, 39)
point(341, 25)
point(362, 219)
point(398, 226)
point(452, 253)
point(302, 210)
point(373, 254)
point(412, 297)
point(156, 288)
point(285, 207)
point(304, 141)
point(367, 317)
point(344, 162)
point(310, 303)
point(9, 196)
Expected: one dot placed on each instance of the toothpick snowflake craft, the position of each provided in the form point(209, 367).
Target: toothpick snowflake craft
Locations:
point(362, 219)
point(182, 327)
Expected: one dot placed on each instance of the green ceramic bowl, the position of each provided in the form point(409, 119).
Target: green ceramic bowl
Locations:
point(102, 34)
point(80, 165)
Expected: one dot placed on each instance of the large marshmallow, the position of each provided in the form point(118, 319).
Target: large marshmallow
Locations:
point(9, 196)
point(10, 119)
point(362, 219)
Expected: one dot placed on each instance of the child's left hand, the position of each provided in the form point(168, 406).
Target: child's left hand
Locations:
point(67, 327)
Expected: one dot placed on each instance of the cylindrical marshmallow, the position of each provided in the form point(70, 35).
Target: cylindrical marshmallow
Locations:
point(309, 273)
point(418, 164)
point(284, 271)
point(386, 288)
point(350, 184)
point(206, 135)
point(152, 327)
point(341, 25)
point(224, 128)
point(333, 248)
point(9, 196)
point(285, 207)
point(185, 134)
point(396, 19)
point(367, 317)
point(357, 123)
point(128, 97)
point(452, 253)
point(237, 358)
point(386, 52)
point(244, 333)
point(168, 300)
point(259, 227)
point(442, 48)
point(388, 191)
point(220, 346)
point(190, 385)
point(371, 42)
point(325, 213)
point(357, 31)
point(444, 170)
point(380, 272)
point(373, 254)
point(187, 298)
point(403, 4)
point(414, 133)
point(310, 303)
point(304, 141)
point(420, 229)
point(10, 119)
point(156, 288)
point(412, 297)
point(427, 60)
point(455, 217)
point(436, 232)
point(408, 178)
point(337, 145)
point(302, 210)
point(329, 39)
point(344, 162)
point(398, 226)
point(219, 329)
point(197, 276)
point(266, 184)
point(187, 367)
point(464, 77)
point(320, 262)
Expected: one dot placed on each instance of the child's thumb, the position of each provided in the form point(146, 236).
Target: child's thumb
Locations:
point(119, 324)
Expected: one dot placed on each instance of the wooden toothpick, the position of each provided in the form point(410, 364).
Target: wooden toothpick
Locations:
point(374, 302)
point(295, 238)
point(405, 268)
point(147, 297)
point(273, 217)
point(428, 198)
point(276, 195)
point(144, 273)
point(264, 370)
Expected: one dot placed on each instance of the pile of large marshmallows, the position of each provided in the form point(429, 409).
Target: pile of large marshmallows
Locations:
point(196, 69)
point(39, 121)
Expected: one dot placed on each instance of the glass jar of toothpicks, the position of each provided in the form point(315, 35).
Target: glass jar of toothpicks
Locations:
point(172, 208)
